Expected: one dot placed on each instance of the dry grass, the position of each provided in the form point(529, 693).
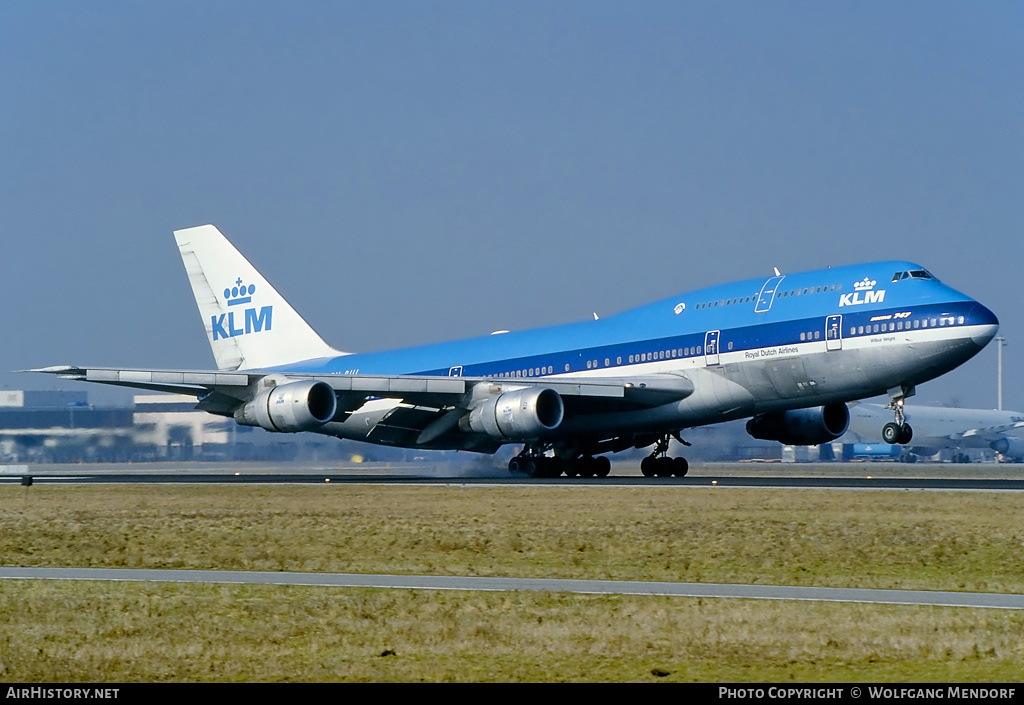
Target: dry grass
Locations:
point(132, 632)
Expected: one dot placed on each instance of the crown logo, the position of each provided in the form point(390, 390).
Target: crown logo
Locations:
point(865, 284)
point(239, 293)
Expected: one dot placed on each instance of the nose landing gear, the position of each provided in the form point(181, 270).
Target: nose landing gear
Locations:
point(900, 431)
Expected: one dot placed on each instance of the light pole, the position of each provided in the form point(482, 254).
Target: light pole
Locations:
point(1000, 342)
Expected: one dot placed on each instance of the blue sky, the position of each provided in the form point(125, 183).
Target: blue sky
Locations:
point(410, 172)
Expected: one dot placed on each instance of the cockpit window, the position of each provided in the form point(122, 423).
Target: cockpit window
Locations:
point(915, 274)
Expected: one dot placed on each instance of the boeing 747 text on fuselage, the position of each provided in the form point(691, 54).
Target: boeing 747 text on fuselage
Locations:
point(787, 351)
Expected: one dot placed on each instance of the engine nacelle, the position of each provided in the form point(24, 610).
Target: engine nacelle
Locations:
point(290, 408)
point(522, 415)
point(1010, 447)
point(802, 427)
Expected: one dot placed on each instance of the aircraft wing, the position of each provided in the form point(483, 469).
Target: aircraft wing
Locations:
point(218, 391)
point(989, 433)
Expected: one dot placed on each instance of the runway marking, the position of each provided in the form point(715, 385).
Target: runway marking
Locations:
point(985, 600)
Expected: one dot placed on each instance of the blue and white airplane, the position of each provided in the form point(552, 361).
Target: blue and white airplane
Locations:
point(788, 351)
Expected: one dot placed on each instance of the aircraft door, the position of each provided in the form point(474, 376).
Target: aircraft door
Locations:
point(711, 347)
point(767, 295)
point(834, 332)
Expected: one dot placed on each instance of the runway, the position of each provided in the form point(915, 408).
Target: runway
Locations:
point(724, 480)
point(586, 587)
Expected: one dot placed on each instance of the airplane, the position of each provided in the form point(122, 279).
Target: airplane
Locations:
point(787, 351)
point(939, 428)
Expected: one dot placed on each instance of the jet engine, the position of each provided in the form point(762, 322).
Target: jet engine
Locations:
point(521, 415)
point(1010, 447)
point(802, 427)
point(290, 408)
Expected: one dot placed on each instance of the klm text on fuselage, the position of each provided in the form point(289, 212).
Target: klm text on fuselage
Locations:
point(855, 299)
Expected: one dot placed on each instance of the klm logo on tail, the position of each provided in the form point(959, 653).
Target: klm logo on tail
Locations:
point(251, 320)
point(864, 287)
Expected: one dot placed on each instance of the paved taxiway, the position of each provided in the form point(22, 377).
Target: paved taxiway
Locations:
point(590, 587)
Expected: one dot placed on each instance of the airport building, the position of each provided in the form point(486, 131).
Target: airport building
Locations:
point(62, 427)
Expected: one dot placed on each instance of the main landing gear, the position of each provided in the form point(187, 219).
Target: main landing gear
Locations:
point(658, 464)
point(533, 463)
point(900, 431)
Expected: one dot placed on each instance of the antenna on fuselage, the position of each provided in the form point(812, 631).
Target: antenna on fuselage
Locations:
point(777, 272)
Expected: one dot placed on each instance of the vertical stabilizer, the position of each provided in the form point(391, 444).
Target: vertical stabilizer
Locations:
point(249, 325)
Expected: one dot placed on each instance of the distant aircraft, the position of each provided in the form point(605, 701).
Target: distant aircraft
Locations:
point(938, 428)
point(787, 350)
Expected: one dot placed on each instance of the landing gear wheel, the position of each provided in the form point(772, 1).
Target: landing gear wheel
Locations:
point(891, 433)
point(587, 466)
point(602, 466)
point(906, 434)
point(659, 464)
point(555, 467)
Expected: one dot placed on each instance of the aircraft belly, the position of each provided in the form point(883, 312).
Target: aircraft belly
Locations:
point(715, 398)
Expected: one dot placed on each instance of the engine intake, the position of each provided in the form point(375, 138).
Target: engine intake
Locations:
point(802, 427)
point(290, 408)
point(522, 415)
point(1011, 447)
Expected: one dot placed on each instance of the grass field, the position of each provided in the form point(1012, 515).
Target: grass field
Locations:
point(144, 632)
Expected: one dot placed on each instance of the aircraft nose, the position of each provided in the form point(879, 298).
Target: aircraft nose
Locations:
point(985, 323)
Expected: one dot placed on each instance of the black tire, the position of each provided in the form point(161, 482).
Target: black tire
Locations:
point(680, 467)
point(647, 466)
point(602, 466)
point(532, 467)
point(664, 467)
point(906, 434)
point(587, 466)
point(556, 466)
point(891, 433)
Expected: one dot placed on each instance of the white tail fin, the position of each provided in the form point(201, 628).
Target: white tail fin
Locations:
point(250, 326)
